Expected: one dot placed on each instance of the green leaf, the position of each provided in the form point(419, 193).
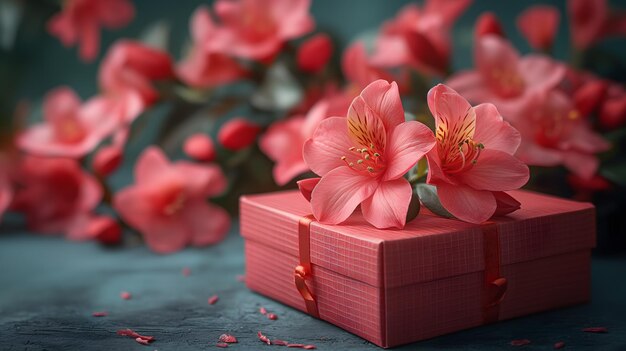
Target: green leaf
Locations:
point(414, 207)
point(615, 172)
point(428, 195)
point(157, 35)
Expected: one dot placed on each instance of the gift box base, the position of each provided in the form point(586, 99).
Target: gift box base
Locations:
point(400, 315)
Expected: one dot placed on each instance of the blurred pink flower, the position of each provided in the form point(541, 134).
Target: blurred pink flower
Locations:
point(257, 29)
point(238, 133)
point(314, 53)
point(539, 25)
point(130, 66)
point(55, 194)
point(488, 24)
point(68, 129)
point(473, 159)
point(553, 133)
point(200, 147)
point(593, 20)
point(503, 78)
point(587, 19)
point(284, 140)
point(205, 67)
point(80, 22)
point(362, 159)
point(167, 204)
point(420, 37)
point(358, 68)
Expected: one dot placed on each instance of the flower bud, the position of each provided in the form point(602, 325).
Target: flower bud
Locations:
point(314, 53)
point(306, 187)
point(505, 203)
point(613, 112)
point(488, 24)
point(238, 134)
point(200, 147)
point(107, 160)
point(588, 97)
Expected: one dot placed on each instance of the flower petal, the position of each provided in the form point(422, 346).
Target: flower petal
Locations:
point(208, 224)
point(536, 155)
point(202, 180)
point(384, 99)
point(166, 235)
point(132, 205)
point(541, 72)
point(455, 119)
point(59, 103)
point(285, 170)
point(409, 142)
point(505, 203)
point(306, 187)
point(496, 171)
point(493, 132)
point(323, 152)
point(470, 85)
point(467, 204)
point(498, 62)
point(339, 192)
point(582, 164)
point(365, 129)
point(387, 207)
point(151, 163)
point(539, 24)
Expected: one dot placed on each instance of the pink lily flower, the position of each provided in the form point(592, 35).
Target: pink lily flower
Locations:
point(473, 160)
point(257, 30)
point(132, 66)
point(55, 194)
point(419, 37)
point(69, 129)
point(284, 140)
point(80, 22)
point(554, 133)
point(362, 159)
point(539, 24)
point(167, 204)
point(205, 67)
point(504, 78)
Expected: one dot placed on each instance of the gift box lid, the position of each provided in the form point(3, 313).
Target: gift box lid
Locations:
point(429, 247)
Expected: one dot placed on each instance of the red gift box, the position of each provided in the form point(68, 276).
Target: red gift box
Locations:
point(435, 276)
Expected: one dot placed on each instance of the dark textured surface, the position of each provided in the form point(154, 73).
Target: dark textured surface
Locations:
point(49, 288)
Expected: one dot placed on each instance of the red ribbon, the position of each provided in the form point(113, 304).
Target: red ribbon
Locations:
point(303, 271)
point(495, 285)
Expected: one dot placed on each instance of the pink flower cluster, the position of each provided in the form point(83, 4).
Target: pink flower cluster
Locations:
point(352, 121)
point(550, 103)
point(363, 157)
